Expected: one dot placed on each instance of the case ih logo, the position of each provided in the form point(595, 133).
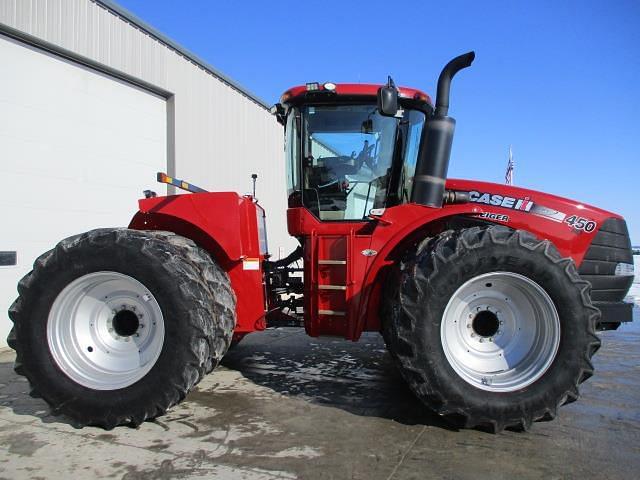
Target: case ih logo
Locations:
point(523, 204)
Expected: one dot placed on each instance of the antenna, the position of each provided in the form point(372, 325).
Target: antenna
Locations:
point(254, 177)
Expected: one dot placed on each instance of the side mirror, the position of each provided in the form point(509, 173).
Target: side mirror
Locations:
point(388, 99)
point(279, 112)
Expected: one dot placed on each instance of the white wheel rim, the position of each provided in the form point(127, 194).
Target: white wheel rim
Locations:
point(500, 331)
point(105, 330)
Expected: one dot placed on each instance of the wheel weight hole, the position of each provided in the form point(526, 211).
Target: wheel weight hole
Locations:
point(485, 323)
point(125, 323)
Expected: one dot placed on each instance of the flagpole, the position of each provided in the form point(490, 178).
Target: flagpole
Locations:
point(508, 176)
point(511, 162)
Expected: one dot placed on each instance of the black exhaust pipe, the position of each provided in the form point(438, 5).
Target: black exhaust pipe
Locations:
point(437, 137)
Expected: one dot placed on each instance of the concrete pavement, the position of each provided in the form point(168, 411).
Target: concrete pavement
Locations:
point(285, 406)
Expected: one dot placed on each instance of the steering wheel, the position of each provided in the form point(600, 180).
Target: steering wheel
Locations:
point(340, 167)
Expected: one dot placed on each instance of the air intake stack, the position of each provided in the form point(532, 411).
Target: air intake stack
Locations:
point(437, 137)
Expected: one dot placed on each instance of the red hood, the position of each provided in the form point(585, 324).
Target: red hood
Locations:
point(565, 205)
point(569, 224)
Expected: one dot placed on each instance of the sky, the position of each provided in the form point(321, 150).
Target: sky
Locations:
point(560, 81)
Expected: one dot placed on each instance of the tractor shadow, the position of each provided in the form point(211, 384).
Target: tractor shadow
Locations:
point(14, 394)
point(359, 378)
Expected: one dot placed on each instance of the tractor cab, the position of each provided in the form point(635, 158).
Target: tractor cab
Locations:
point(344, 156)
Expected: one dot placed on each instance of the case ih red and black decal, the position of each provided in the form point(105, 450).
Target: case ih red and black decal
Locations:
point(527, 205)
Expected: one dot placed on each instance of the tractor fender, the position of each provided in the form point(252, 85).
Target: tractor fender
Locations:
point(184, 228)
point(218, 221)
point(225, 224)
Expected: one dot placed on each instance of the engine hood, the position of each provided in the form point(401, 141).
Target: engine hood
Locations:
point(571, 225)
point(509, 197)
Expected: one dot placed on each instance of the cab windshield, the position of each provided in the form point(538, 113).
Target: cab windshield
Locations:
point(352, 159)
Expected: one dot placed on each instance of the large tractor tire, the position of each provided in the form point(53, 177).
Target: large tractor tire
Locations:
point(491, 327)
point(114, 326)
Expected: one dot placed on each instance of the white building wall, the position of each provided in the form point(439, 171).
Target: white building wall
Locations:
point(222, 135)
point(58, 123)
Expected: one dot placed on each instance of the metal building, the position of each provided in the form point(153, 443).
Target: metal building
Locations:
point(93, 102)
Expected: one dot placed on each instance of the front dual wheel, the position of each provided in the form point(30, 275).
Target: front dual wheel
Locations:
point(491, 327)
point(500, 331)
point(114, 326)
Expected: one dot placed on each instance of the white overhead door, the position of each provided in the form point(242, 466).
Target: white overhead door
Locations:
point(77, 148)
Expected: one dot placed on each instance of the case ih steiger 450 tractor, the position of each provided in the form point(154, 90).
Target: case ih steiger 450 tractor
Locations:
point(488, 296)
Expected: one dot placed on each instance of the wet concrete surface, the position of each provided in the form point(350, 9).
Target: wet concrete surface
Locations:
point(285, 406)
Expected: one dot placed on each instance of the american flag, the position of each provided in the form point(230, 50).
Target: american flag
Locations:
point(508, 177)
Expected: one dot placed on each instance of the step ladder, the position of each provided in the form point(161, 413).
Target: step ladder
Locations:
point(331, 283)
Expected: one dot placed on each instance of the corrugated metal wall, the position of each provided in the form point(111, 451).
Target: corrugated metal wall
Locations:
point(222, 135)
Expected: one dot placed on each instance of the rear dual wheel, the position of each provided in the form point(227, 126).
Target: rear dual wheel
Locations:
point(491, 327)
point(105, 330)
point(114, 326)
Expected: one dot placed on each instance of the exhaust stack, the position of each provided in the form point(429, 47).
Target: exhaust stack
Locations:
point(437, 137)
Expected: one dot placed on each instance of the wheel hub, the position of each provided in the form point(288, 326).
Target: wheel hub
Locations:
point(485, 323)
point(125, 322)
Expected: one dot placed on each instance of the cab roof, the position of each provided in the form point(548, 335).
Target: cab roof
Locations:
point(315, 89)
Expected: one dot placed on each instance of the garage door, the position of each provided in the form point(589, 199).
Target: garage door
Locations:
point(77, 147)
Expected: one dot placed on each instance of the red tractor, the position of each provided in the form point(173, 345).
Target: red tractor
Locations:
point(488, 296)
